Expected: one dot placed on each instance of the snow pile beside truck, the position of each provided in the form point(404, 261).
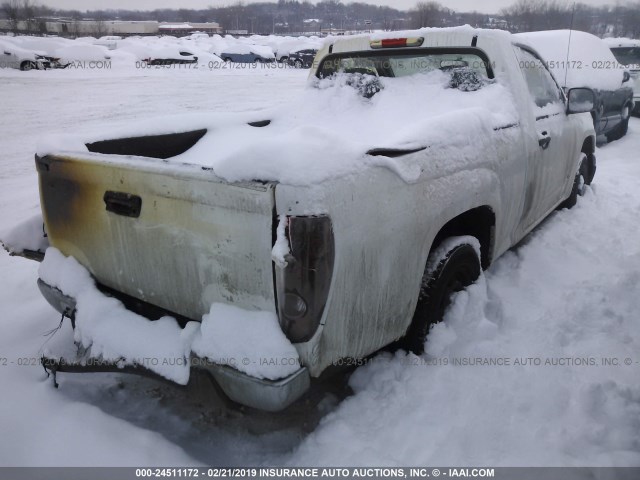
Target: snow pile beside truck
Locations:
point(114, 334)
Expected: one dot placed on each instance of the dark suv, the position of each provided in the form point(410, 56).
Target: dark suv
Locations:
point(302, 58)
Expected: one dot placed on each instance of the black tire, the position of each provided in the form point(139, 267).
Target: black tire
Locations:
point(579, 184)
point(622, 128)
point(298, 64)
point(28, 65)
point(459, 268)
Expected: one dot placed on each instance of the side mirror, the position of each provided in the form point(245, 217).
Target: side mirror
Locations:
point(580, 100)
point(626, 76)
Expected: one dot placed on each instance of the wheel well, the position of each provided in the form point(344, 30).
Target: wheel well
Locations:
point(479, 222)
point(589, 145)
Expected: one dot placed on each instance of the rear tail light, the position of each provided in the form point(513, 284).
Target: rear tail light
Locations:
point(397, 42)
point(302, 286)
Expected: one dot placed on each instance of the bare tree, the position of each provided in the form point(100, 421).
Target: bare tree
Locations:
point(427, 14)
point(11, 10)
point(535, 15)
point(28, 14)
point(99, 28)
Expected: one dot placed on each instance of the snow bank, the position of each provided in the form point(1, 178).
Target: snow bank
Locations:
point(254, 340)
point(251, 342)
point(112, 332)
point(586, 62)
point(48, 45)
point(515, 375)
point(81, 53)
point(327, 131)
point(28, 235)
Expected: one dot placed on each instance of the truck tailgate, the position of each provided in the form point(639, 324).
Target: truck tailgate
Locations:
point(175, 236)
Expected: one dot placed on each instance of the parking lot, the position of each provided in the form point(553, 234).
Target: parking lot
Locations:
point(557, 315)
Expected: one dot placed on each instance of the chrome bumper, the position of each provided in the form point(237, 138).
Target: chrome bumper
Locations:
point(267, 395)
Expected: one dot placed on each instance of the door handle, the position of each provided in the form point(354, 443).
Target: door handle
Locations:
point(544, 140)
point(122, 203)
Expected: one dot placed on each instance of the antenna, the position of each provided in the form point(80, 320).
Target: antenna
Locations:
point(566, 70)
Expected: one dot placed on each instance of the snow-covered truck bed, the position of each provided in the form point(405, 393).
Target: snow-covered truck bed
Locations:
point(274, 246)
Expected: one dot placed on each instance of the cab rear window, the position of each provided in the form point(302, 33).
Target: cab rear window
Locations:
point(402, 63)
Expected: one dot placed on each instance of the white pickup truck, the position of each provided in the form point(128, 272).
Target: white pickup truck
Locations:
point(347, 220)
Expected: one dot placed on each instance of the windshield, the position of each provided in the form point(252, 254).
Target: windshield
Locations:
point(628, 56)
point(404, 63)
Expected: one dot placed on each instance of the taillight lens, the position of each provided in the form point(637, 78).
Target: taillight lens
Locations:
point(303, 285)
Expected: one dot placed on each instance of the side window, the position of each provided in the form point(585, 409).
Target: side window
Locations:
point(542, 87)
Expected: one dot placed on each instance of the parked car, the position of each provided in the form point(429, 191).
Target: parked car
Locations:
point(579, 59)
point(182, 57)
point(240, 53)
point(627, 52)
point(283, 49)
point(44, 47)
point(302, 58)
point(335, 227)
point(19, 58)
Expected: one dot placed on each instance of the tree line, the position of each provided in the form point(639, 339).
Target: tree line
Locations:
point(294, 16)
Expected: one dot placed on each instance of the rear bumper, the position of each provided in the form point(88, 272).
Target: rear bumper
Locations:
point(267, 395)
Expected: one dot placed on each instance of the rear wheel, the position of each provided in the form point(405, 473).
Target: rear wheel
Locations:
point(579, 183)
point(454, 270)
point(298, 64)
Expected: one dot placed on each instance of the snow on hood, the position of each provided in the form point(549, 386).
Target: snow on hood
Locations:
point(327, 131)
point(590, 61)
point(22, 53)
point(46, 44)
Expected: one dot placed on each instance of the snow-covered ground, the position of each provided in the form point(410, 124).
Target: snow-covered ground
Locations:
point(569, 294)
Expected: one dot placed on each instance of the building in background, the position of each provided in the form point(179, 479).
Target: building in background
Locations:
point(99, 28)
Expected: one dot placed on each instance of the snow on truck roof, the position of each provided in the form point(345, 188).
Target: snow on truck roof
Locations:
point(433, 37)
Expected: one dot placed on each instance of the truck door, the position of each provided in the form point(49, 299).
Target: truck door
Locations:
point(550, 167)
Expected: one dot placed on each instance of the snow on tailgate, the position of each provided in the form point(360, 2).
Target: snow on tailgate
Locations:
point(248, 341)
point(328, 129)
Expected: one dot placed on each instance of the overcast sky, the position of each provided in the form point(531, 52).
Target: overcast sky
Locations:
point(488, 6)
